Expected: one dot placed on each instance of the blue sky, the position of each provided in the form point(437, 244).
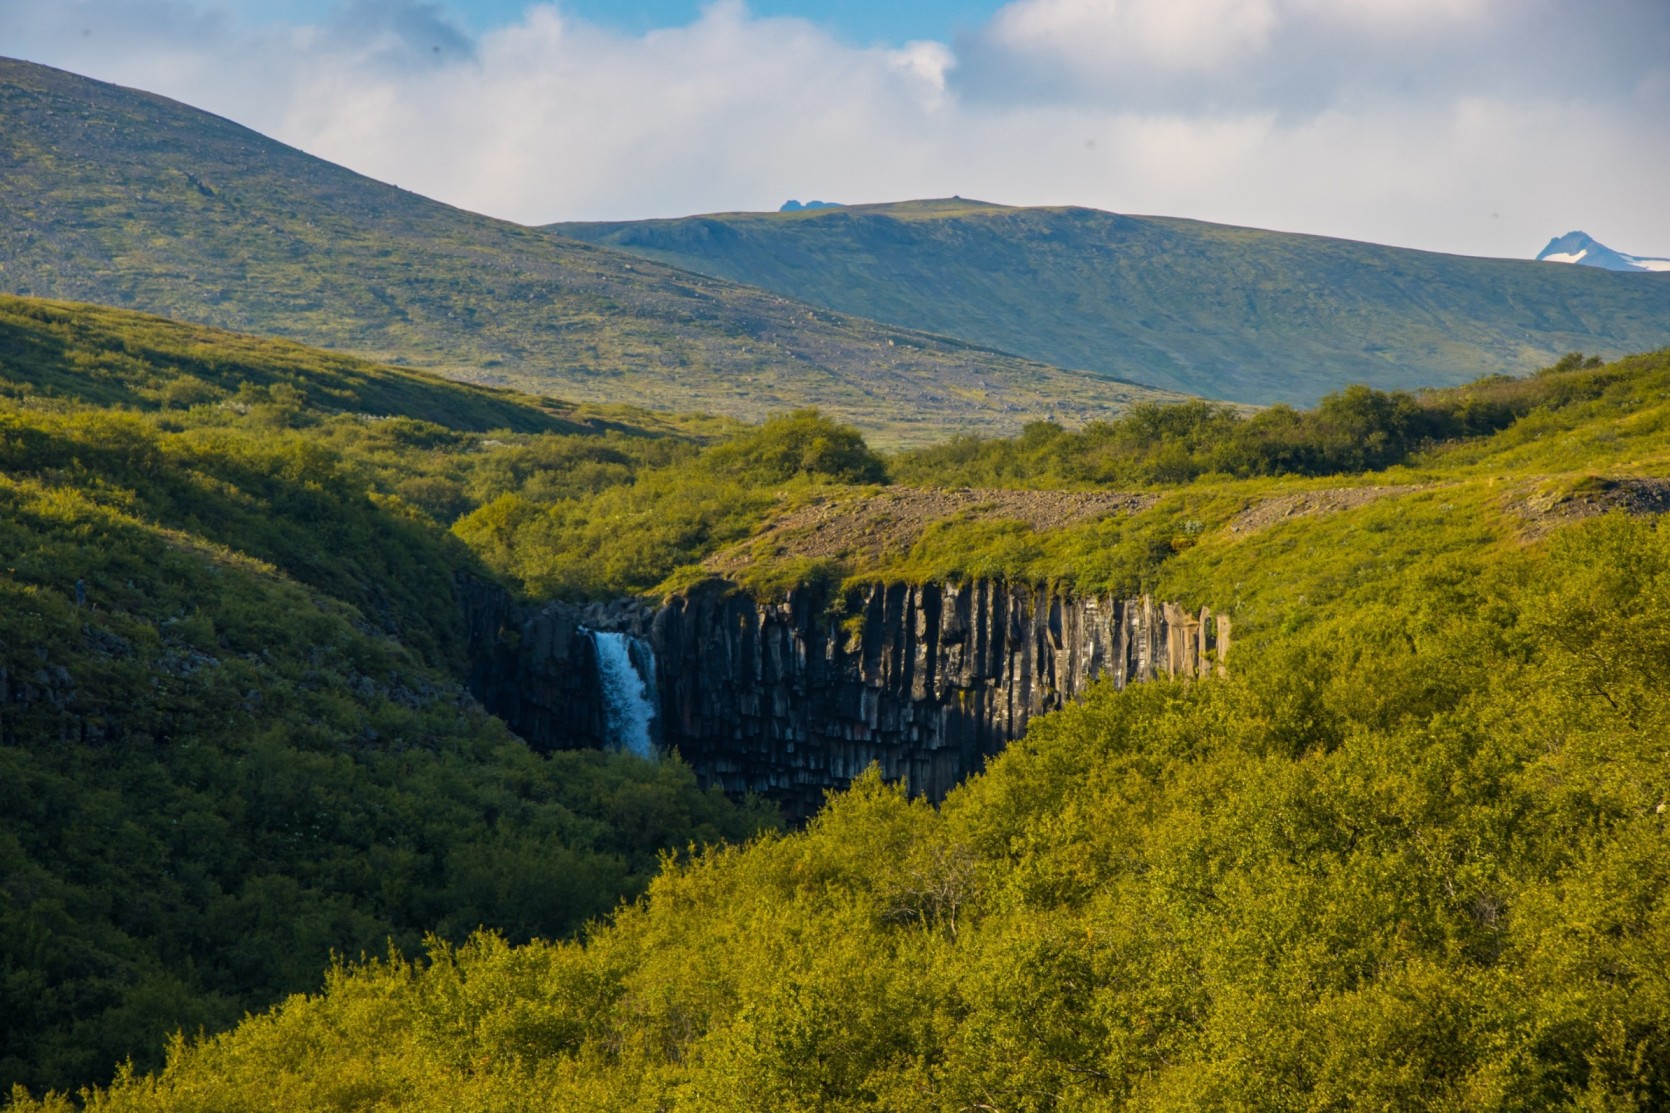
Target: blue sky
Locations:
point(858, 21)
point(855, 21)
point(1480, 127)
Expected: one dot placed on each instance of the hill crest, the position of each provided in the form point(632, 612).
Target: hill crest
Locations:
point(140, 202)
point(1240, 313)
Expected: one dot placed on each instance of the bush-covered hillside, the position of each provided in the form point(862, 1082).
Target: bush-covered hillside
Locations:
point(234, 742)
point(1410, 854)
point(232, 736)
point(1193, 485)
point(1357, 429)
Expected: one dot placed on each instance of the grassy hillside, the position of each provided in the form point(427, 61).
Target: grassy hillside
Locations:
point(128, 199)
point(1408, 854)
point(233, 740)
point(1224, 312)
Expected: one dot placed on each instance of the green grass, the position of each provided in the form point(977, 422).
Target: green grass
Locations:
point(1469, 469)
point(1232, 313)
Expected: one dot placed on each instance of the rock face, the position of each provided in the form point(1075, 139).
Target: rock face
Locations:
point(539, 672)
point(791, 699)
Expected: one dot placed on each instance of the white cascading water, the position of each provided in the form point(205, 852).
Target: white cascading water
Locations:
point(643, 659)
point(628, 696)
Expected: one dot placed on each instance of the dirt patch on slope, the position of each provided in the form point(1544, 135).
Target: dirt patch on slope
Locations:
point(1592, 497)
point(1267, 512)
point(867, 527)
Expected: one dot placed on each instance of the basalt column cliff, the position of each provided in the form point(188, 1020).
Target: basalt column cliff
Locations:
point(793, 698)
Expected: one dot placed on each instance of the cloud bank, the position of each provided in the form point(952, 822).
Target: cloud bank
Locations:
point(1474, 126)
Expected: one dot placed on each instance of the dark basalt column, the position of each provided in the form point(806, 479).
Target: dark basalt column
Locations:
point(791, 699)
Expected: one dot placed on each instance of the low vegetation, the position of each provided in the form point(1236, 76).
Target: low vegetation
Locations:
point(1354, 430)
point(631, 538)
point(1409, 854)
point(1203, 464)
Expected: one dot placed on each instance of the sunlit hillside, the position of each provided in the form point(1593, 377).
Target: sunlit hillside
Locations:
point(1409, 853)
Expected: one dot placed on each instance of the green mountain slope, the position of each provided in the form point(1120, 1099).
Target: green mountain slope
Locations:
point(1224, 312)
point(1408, 854)
point(233, 732)
point(124, 198)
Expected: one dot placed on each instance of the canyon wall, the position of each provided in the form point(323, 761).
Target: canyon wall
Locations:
point(792, 698)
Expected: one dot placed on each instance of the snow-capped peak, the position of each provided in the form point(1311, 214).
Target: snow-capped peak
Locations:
point(1583, 249)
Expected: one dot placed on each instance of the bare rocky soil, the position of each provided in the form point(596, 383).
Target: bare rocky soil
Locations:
point(1631, 494)
point(1267, 512)
point(866, 526)
point(888, 521)
point(1540, 510)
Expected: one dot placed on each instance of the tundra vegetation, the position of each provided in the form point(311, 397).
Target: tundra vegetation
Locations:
point(130, 199)
point(1410, 853)
point(1240, 314)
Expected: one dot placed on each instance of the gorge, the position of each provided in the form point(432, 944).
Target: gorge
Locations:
point(788, 699)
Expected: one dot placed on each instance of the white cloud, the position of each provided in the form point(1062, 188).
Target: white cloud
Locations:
point(1487, 144)
point(554, 118)
point(1186, 35)
point(928, 62)
point(1398, 16)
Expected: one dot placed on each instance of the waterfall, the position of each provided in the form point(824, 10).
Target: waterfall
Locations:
point(626, 675)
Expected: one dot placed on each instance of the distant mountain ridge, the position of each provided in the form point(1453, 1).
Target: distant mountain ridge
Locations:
point(1237, 313)
point(1584, 249)
point(128, 199)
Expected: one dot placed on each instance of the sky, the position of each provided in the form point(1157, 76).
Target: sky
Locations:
point(1480, 127)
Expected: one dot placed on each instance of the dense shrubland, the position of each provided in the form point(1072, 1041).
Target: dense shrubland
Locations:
point(649, 531)
point(1412, 856)
point(1412, 853)
point(633, 536)
point(1353, 430)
